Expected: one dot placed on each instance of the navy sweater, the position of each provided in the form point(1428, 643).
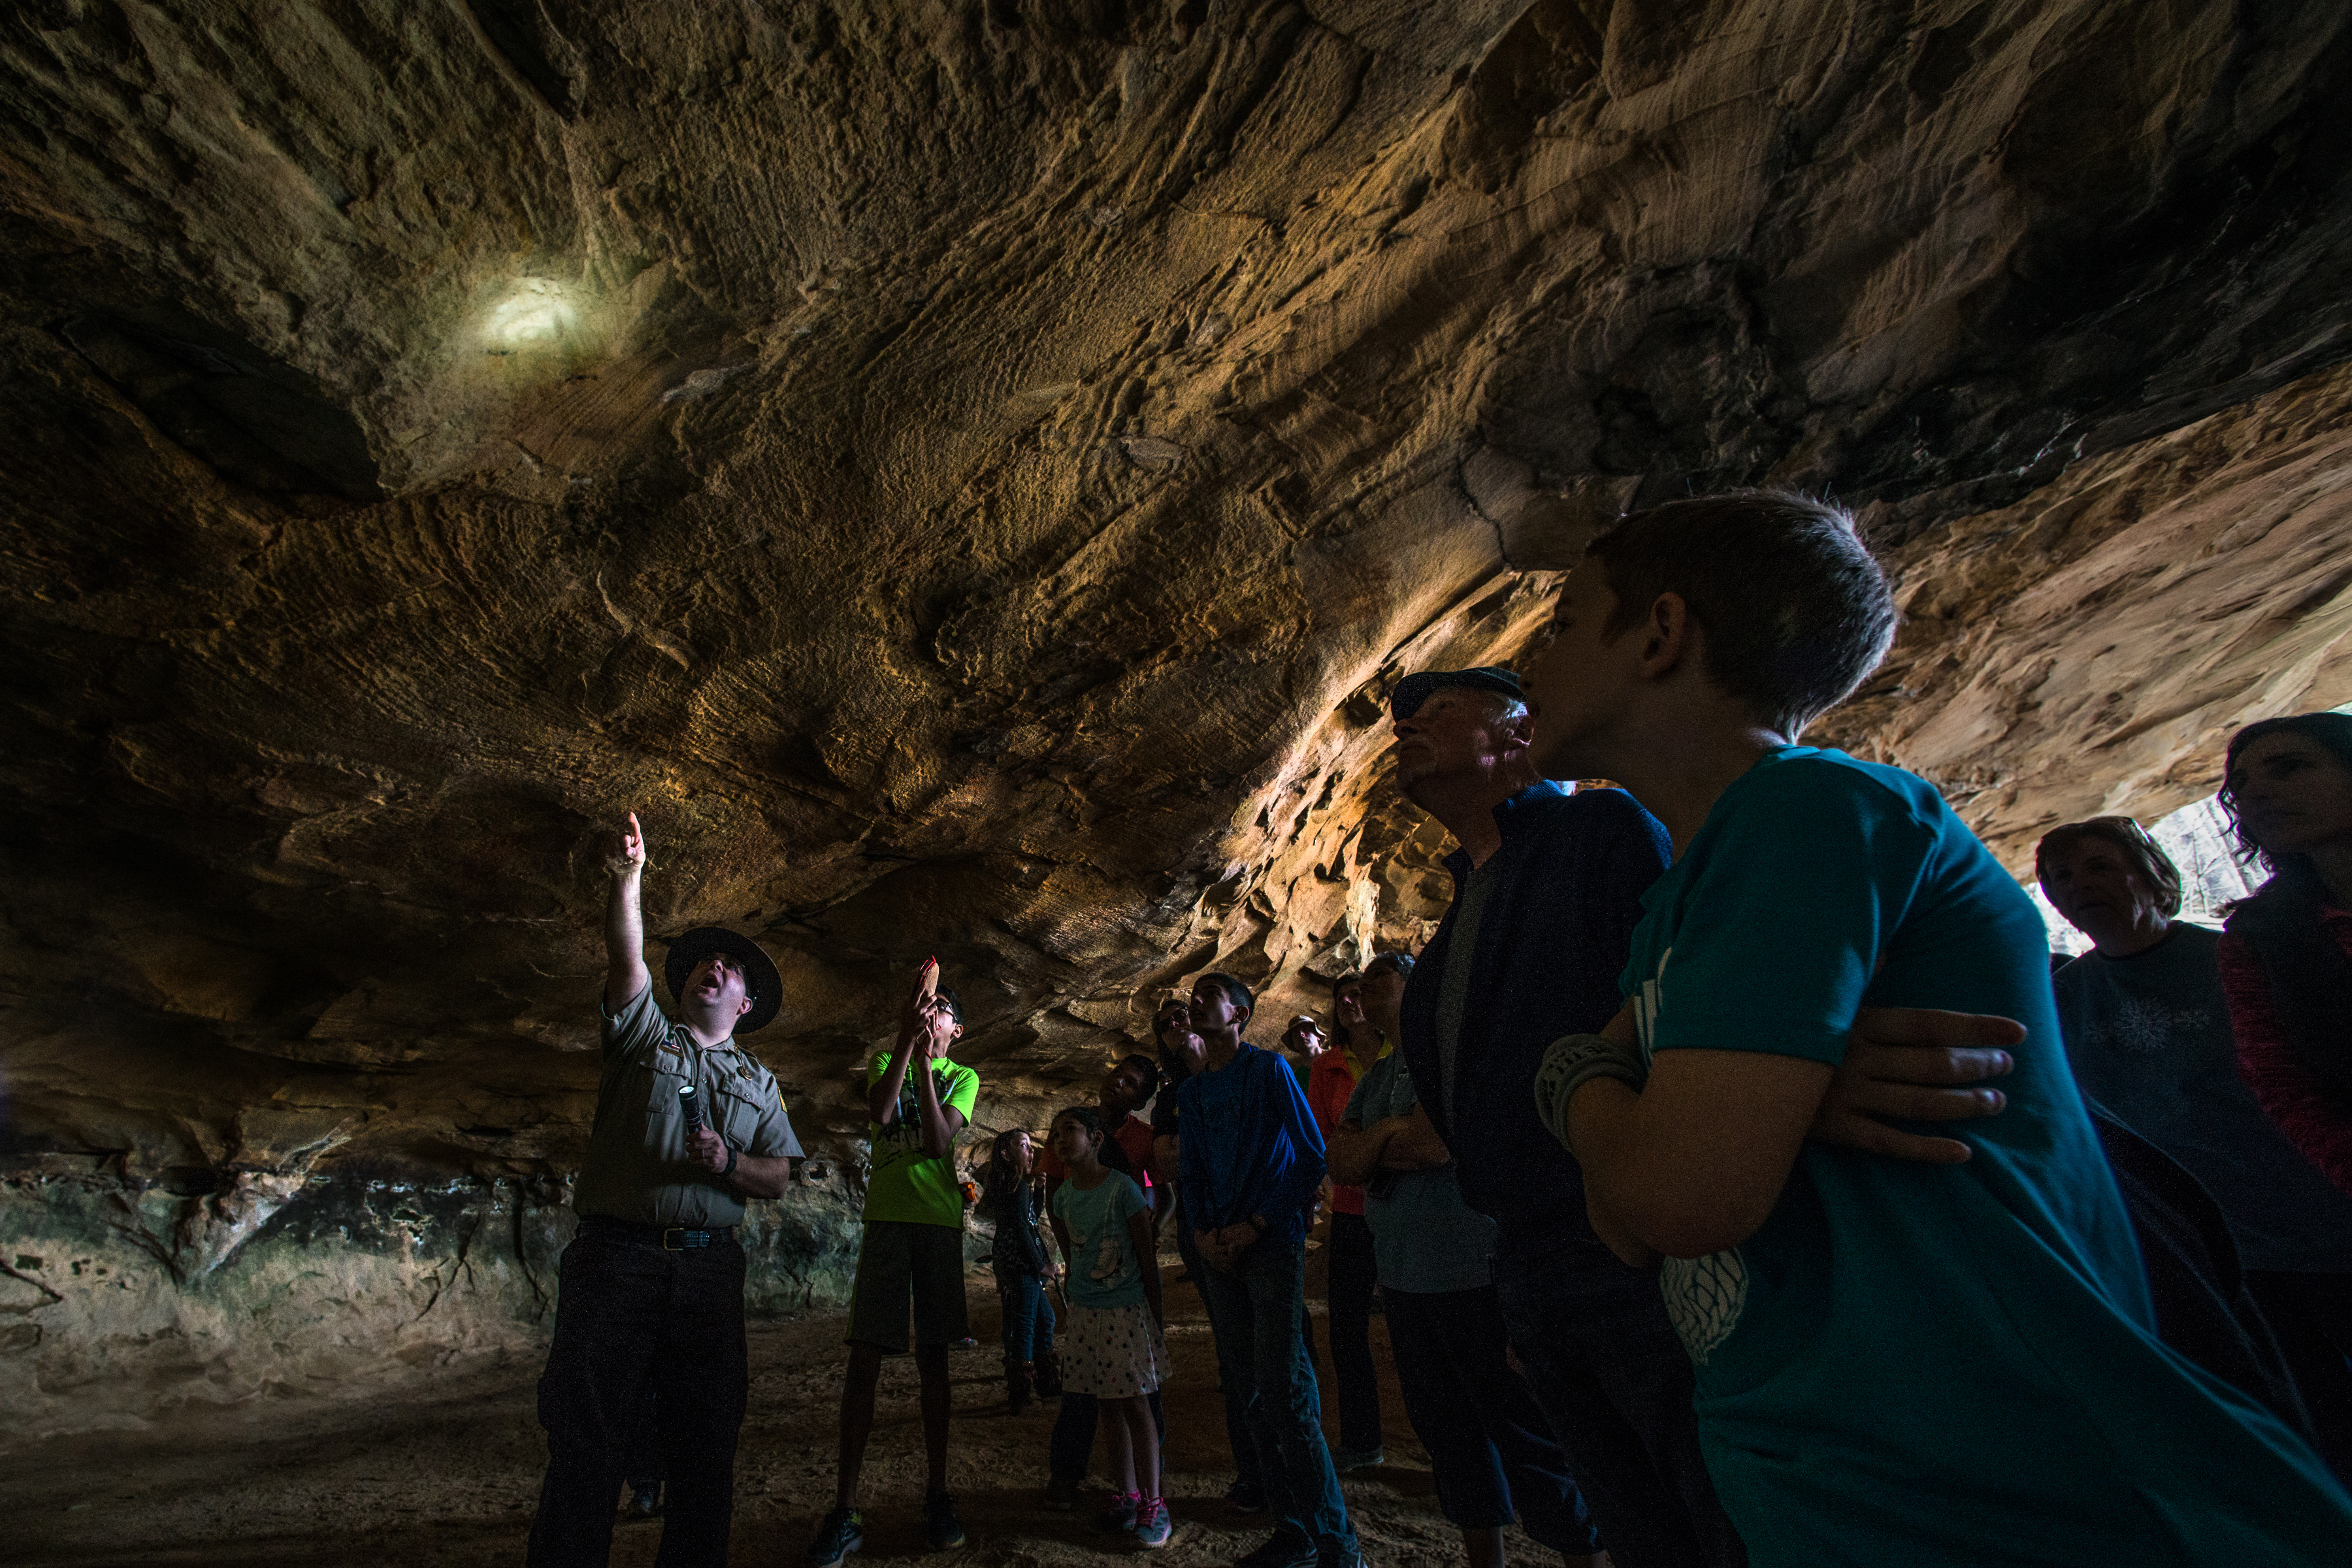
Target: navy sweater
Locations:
point(1250, 1147)
point(1553, 939)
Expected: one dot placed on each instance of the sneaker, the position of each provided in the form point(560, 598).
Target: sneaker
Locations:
point(1151, 1524)
point(1120, 1512)
point(1062, 1493)
point(1288, 1547)
point(843, 1532)
point(1244, 1497)
point(940, 1522)
point(1346, 1459)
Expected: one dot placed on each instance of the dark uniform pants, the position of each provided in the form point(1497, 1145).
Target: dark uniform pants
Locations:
point(631, 1318)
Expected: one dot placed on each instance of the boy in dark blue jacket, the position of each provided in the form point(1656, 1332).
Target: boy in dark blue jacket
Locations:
point(1251, 1165)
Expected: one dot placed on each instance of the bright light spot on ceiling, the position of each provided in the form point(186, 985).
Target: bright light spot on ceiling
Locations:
point(535, 313)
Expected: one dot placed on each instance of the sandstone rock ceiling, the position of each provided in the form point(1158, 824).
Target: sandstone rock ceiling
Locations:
point(967, 472)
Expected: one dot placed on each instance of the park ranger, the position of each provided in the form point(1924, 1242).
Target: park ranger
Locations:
point(650, 1293)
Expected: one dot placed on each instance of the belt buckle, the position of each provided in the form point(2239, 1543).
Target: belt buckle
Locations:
point(669, 1245)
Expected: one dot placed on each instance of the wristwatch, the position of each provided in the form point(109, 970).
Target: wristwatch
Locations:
point(731, 1164)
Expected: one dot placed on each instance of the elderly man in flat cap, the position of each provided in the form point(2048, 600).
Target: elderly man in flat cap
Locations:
point(1548, 885)
point(650, 1299)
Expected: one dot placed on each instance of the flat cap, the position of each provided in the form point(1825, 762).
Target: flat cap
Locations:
point(1415, 689)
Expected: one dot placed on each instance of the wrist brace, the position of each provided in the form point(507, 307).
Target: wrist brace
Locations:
point(1575, 1060)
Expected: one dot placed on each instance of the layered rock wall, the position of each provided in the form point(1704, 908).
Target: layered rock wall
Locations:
point(121, 1299)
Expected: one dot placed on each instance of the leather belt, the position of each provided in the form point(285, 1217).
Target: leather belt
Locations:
point(669, 1238)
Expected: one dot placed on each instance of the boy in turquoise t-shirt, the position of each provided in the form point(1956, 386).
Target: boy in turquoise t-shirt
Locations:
point(1916, 1363)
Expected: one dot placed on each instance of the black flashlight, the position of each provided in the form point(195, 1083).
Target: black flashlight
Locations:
point(691, 1104)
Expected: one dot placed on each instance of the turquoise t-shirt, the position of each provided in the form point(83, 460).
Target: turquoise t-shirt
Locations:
point(1104, 1269)
point(1923, 1364)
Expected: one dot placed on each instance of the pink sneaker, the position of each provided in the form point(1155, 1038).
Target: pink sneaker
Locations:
point(1152, 1527)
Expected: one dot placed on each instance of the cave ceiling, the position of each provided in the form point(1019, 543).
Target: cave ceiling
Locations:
point(967, 474)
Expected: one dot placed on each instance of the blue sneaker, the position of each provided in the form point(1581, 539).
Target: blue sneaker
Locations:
point(1118, 1513)
point(1152, 1527)
point(843, 1532)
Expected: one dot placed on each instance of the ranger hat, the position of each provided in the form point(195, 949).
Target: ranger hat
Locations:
point(760, 977)
point(1415, 689)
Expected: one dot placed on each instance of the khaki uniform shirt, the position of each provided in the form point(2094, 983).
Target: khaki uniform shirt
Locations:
point(638, 1169)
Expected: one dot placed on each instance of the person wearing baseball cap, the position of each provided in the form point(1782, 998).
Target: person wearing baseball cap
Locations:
point(650, 1291)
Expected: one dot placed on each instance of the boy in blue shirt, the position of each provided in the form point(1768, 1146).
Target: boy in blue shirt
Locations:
point(1930, 1364)
point(1252, 1162)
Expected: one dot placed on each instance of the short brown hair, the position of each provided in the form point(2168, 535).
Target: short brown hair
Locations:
point(2128, 836)
point(1795, 609)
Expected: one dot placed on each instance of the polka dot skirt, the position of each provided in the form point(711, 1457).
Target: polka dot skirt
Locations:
point(1113, 1352)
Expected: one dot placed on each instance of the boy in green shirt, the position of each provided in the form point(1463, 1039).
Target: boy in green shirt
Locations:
point(911, 1261)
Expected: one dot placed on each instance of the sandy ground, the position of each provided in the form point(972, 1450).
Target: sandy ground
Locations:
point(448, 1471)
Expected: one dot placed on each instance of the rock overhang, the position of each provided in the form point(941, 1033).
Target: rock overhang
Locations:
point(967, 476)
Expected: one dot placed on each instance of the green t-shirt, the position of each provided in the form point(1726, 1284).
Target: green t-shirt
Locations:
point(903, 1183)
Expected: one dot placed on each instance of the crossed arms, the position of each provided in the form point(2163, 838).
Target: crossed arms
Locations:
point(1406, 1143)
point(1667, 1171)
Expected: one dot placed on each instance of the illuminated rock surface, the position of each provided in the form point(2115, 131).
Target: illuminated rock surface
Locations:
point(968, 475)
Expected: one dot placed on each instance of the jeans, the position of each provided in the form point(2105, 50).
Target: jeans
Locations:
point(1354, 1277)
point(1609, 1371)
point(1028, 1317)
point(1248, 1473)
point(1255, 1314)
point(628, 1317)
point(1489, 1442)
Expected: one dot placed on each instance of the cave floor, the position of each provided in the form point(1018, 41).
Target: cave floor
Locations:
point(444, 1469)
